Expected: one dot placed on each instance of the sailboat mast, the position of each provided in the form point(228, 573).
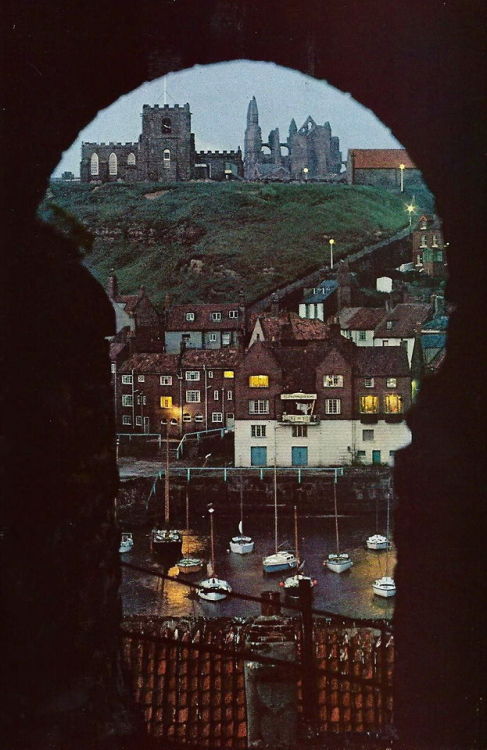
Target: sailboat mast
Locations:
point(212, 542)
point(275, 496)
point(187, 506)
point(241, 502)
point(296, 539)
point(387, 533)
point(336, 512)
point(166, 479)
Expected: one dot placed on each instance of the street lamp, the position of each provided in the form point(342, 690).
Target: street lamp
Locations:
point(402, 167)
point(305, 171)
point(331, 242)
point(410, 208)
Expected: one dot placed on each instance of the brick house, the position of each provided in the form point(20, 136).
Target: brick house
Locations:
point(320, 403)
point(137, 314)
point(359, 323)
point(272, 326)
point(193, 391)
point(209, 326)
point(428, 254)
point(380, 167)
point(401, 326)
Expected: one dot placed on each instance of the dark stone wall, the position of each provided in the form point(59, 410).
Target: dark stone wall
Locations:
point(418, 66)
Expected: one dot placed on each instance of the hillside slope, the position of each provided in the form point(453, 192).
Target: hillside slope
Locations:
point(205, 241)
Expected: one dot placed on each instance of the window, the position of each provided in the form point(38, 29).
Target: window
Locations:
point(226, 338)
point(198, 417)
point(233, 314)
point(333, 406)
point(361, 454)
point(435, 241)
point(189, 316)
point(192, 375)
point(300, 430)
point(385, 342)
point(127, 401)
point(112, 164)
point(369, 404)
point(165, 380)
point(216, 395)
point(228, 373)
point(165, 402)
point(141, 399)
point(217, 416)
point(391, 382)
point(333, 381)
point(367, 435)
point(126, 420)
point(127, 380)
point(229, 395)
point(166, 125)
point(166, 158)
point(362, 335)
point(140, 378)
point(131, 160)
point(393, 403)
point(216, 316)
point(369, 382)
point(257, 430)
point(192, 397)
point(230, 415)
point(186, 417)
point(210, 373)
point(259, 406)
point(94, 165)
point(138, 421)
point(258, 381)
point(212, 337)
point(113, 367)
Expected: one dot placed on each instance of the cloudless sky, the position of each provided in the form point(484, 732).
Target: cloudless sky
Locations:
point(218, 97)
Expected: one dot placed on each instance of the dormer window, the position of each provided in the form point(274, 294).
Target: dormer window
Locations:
point(369, 382)
point(389, 324)
point(190, 316)
point(233, 314)
point(333, 381)
point(216, 316)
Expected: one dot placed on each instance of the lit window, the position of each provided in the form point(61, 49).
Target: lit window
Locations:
point(391, 382)
point(186, 417)
point(229, 395)
point(165, 380)
point(367, 435)
point(216, 395)
point(369, 404)
point(233, 314)
point(189, 316)
point(393, 403)
point(257, 430)
point(112, 164)
point(165, 402)
point(258, 381)
point(138, 421)
point(333, 381)
point(217, 416)
point(127, 401)
point(333, 406)
point(140, 378)
point(166, 158)
point(210, 373)
point(212, 337)
point(192, 375)
point(127, 380)
point(300, 430)
point(126, 420)
point(94, 165)
point(131, 160)
point(369, 382)
point(259, 406)
point(362, 335)
point(192, 397)
point(198, 417)
point(226, 338)
point(228, 373)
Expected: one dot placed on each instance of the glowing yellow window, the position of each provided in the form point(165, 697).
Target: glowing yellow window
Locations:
point(228, 373)
point(369, 404)
point(258, 381)
point(166, 402)
point(393, 403)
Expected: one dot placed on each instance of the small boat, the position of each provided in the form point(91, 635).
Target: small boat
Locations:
point(188, 565)
point(384, 586)
point(126, 542)
point(377, 542)
point(279, 560)
point(340, 561)
point(241, 544)
point(166, 543)
point(291, 584)
point(213, 589)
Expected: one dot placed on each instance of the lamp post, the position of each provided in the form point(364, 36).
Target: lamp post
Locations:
point(410, 209)
point(402, 167)
point(331, 243)
point(305, 172)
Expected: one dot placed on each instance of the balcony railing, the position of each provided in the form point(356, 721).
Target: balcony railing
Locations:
point(285, 418)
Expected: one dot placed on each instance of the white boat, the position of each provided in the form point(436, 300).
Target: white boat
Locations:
point(377, 542)
point(384, 586)
point(213, 589)
point(126, 542)
point(241, 544)
point(189, 565)
point(291, 584)
point(166, 543)
point(279, 560)
point(338, 562)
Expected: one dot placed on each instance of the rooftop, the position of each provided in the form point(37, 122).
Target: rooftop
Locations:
point(381, 158)
point(176, 317)
point(381, 361)
point(363, 319)
point(405, 320)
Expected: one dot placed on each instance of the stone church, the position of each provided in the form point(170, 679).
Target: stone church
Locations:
point(165, 152)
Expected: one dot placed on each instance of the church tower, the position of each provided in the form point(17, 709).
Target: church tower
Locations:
point(166, 145)
point(253, 141)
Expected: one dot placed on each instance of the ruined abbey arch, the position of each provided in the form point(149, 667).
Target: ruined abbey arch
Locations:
point(428, 93)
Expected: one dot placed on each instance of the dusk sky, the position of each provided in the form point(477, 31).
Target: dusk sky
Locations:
point(218, 96)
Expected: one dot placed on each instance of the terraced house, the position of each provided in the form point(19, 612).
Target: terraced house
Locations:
point(320, 403)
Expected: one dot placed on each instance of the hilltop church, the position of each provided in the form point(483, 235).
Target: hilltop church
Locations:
point(165, 152)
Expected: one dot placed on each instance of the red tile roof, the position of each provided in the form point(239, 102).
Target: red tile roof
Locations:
point(381, 361)
point(176, 317)
point(129, 300)
point(380, 158)
point(166, 363)
point(365, 319)
point(406, 319)
point(290, 326)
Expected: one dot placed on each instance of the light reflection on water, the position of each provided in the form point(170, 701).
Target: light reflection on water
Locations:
point(348, 593)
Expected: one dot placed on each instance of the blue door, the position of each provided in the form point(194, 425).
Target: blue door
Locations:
point(376, 457)
point(258, 455)
point(299, 455)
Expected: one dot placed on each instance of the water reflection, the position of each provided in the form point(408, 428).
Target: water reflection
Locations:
point(348, 593)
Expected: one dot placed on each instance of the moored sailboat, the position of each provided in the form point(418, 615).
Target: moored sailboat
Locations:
point(377, 541)
point(291, 584)
point(213, 589)
point(189, 565)
point(340, 561)
point(126, 542)
point(385, 586)
point(241, 544)
point(279, 560)
point(166, 543)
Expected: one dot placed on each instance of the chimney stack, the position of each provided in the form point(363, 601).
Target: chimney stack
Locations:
point(274, 305)
point(112, 285)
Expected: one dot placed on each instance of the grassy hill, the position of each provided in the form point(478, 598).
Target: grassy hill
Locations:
point(205, 241)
